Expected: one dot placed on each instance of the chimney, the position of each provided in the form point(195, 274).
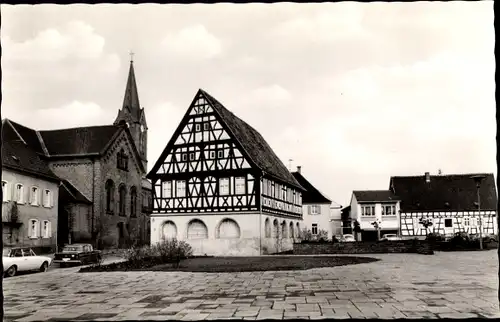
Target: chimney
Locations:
point(299, 168)
point(427, 177)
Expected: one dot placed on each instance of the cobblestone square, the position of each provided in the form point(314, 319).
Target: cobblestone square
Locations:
point(445, 285)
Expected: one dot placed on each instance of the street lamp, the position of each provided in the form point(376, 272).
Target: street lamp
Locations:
point(477, 179)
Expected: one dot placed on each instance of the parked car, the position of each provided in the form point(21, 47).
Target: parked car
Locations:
point(347, 238)
point(391, 237)
point(77, 254)
point(20, 259)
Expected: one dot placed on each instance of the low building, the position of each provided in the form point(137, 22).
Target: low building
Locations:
point(371, 206)
point(30, 192)
point(449, 201)
point(316, 214)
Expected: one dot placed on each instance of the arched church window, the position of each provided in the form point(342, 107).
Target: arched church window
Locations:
point(121, 201)
point(133, 202)
point(122, 160)
point(110, 196)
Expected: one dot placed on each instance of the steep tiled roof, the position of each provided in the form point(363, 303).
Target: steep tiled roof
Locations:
point(69, 192)
point(253, 143)
point(455, 192)
point(29, 136)
point(375, 196)
point(78, 141)
point(311, 195)
point(21, 156)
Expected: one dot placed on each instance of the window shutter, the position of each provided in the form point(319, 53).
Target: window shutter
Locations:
point(309, 209)
point(30, 232)
point(50, 229)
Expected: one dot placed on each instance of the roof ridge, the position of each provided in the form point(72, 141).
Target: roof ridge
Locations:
point(80, 127)
point(444, 175)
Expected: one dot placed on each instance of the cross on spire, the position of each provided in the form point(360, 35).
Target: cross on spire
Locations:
point(131, 53)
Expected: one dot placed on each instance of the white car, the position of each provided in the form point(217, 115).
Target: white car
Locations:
point(347, 238)
point(390, 237)
point(20, 259)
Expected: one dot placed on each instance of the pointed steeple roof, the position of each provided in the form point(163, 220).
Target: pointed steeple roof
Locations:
point(131, 98)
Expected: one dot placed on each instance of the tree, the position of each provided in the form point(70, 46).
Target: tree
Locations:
point(377, 224)
point(356, 228)
point(426, 222)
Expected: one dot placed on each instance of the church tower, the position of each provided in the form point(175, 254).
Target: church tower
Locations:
point(134, 116)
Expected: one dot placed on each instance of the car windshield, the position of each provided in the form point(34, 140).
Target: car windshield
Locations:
point(390, 235)
point(67, 249)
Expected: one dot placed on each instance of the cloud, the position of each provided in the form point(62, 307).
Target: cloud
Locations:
point(74, 114)
point(193, 42)
point(77, 40)
point(271, 96)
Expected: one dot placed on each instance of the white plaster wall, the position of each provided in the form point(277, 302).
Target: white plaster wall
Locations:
point(323, 219)
point(252, 239)
point(388, 222)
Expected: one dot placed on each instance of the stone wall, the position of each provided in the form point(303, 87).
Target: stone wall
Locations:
point(364, 247)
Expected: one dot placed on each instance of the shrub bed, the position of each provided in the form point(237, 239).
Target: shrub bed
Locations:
point(364, 247)
point(169, 251)
point(461, 241)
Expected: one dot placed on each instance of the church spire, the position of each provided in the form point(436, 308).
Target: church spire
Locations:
point(131, 98)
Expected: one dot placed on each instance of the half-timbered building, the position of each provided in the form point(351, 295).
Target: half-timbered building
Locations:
point(219, 186)
point(449, 201)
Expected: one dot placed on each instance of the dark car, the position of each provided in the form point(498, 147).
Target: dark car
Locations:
point(77, 254)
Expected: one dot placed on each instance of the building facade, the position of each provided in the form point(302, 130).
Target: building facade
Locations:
point(30, 191)
point(381, 206)
point(316, 208)
point(219, 186)
point(102, 170)
point(450, 202)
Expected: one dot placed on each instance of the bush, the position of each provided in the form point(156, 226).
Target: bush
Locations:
point(435, 237)
point(167, 251)
point(460, 239)
point(335, 240)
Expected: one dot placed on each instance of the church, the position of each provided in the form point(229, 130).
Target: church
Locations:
point(220, 187)
point(103, 195)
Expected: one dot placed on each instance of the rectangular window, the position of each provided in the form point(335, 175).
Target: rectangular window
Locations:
point(239, 186)
point(264, 187)
point(314, 210)
point(206, 126)
point(181, 188)
point(46, 231)
point(283, 193)
point(294, 198)
point(466, 222)
point(19, 193)
point(224, 186)
point(167, 189)
point(277, 191)
point(388, 210)
point(368, 211)
point(34, 196)
point(197, 127)
point(47, 198)
point(448, 222)
point(220, 154)
point(314, 229)
point(269, 188)
point(212, 154)
point(33, 228)
point(191, 156)
point(184, 157)
point(5, 191)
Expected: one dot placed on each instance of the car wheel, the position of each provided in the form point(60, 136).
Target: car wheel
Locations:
point(11, 271)
point(44, 267)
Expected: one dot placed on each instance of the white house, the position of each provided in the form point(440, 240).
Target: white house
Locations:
point(219, 186)
point(449, 201)
point(375, 205)
point(316, 207)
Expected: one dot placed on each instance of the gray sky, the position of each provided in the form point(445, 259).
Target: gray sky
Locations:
point(353, 92)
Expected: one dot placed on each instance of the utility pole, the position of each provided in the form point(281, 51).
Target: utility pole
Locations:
point(477, 179)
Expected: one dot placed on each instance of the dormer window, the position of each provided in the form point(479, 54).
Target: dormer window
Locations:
point(122, 160)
